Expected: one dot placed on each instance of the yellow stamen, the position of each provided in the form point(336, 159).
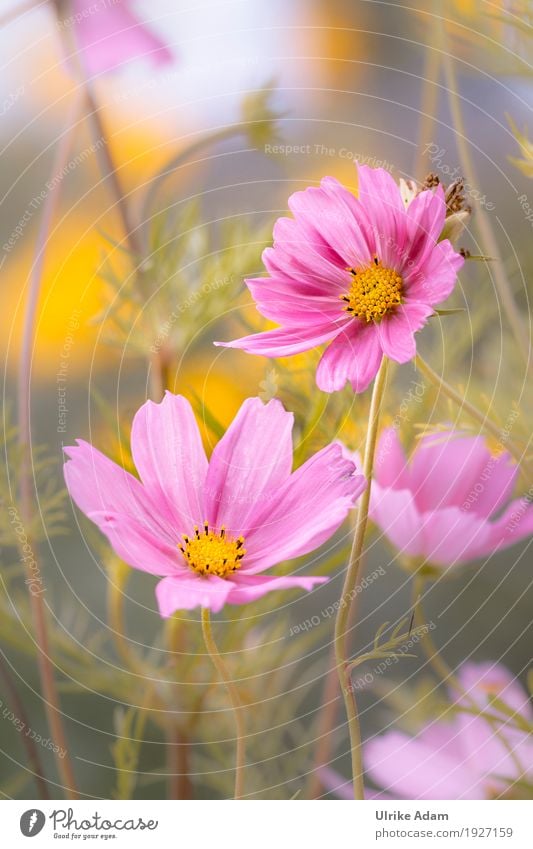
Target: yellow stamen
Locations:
point(375, 291)
point(213, 552)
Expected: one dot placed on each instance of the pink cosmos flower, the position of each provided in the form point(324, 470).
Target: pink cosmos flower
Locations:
point(108, 35)
point(450, 504)
point(360, 273)
point(464, 757)
point(210, 529)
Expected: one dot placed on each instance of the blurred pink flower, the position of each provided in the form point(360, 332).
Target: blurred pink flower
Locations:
point(466, 757)
point(362, 274)
point(108, 35)
point(334, 783)
point(450, 504)
point(209, 528)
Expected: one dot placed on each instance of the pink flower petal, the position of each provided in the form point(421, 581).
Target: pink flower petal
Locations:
point(495, 485)
point(301, 253)
point(188, 592)
point(109, 35)
point(247, 587)
point(440, 507)
point(410, 768)
point(489, 747)
point(253, 457)
point(425, 222)
point(445, 469)
point(453, 536)
point(304, 511)
point(335, 783)
point(396, 332)
point(380, 204)
point(282, 342)
point(376, 188)
point(390, 464)
point(483, 680)
point(355, 355)
point(283, 300)
point(394, 511)
point(434, 280)
point(328, 211)
point(118, 504)
point(97, 484)
point(514, 525)
point(168, 453)
point(138, 545)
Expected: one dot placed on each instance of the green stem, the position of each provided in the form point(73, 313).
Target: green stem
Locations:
point(429, 99)
point(34, 760)
point(329, 708)
point(116, 585)
point(179, 784)
point(352, 572)
point(178, 746)
point(169, 167)
point(472, 411)
point(110, 173)
point(485, 227)
point(237, 708)
point(447, 675)
point(27, 498)
point(109, 170)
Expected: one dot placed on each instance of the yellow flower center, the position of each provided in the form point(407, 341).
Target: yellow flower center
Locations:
point(375, 291)
point(212, 552)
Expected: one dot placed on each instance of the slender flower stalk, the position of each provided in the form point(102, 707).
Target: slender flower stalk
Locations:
point(179, 783)
point(471, 410)
point(108, 167)
point(428, 105)
point(237, 708)
point(103, 152)
point(34, 761)
point(110, 171)
point(177, 750)
point(173, 164)
point(440, 667)
point(341, 629)
point(46, 673)
point(329, 707)
point(446, 674)
point(328, 716)
point(178, 747)
point(485, 227)
point(116, 584)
